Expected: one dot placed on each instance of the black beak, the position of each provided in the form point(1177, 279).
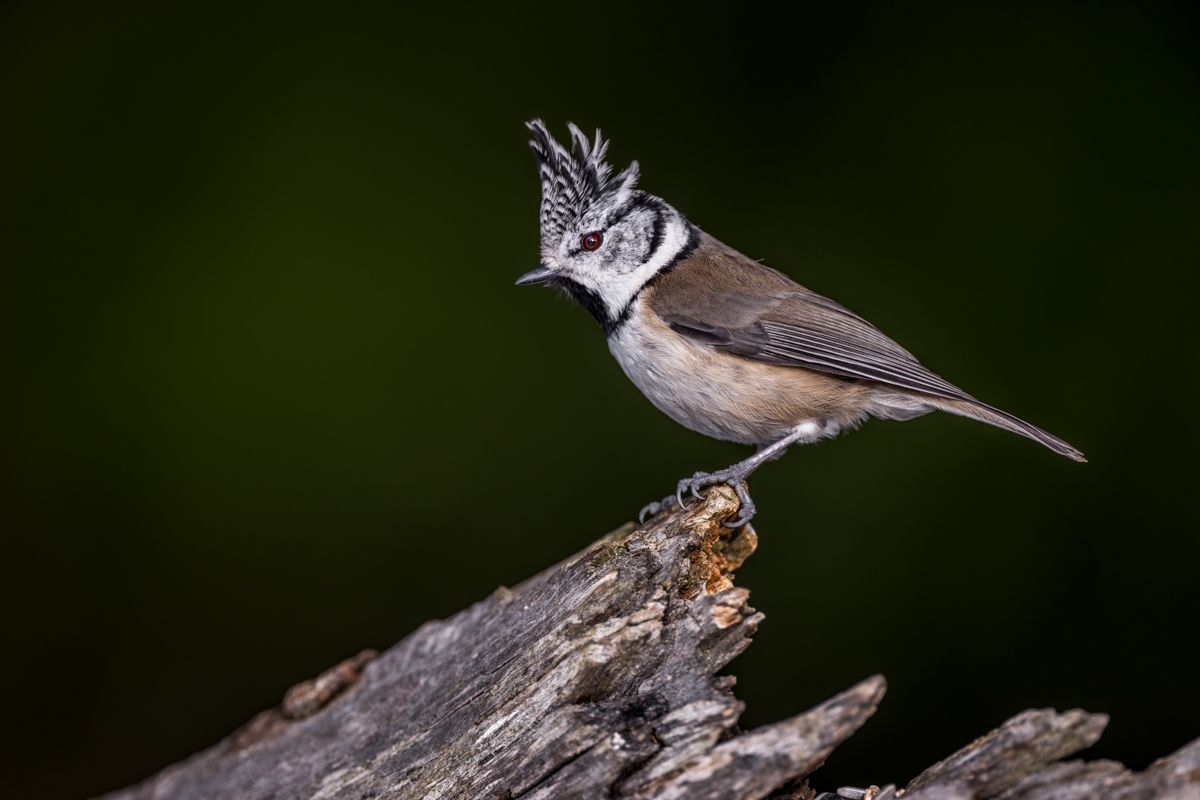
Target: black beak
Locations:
point(539, 274)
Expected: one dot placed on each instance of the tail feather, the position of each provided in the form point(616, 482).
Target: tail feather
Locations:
point(976, 410)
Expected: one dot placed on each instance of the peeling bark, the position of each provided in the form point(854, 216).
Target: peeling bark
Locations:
point(597, 678)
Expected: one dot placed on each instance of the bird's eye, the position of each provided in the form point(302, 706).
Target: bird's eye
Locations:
point(591, 241)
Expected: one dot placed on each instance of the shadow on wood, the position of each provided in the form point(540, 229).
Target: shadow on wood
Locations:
point(597, 679)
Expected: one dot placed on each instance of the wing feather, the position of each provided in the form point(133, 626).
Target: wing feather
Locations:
point(756, 312)
point(724, 300)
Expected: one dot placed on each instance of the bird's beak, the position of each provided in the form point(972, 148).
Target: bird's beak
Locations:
point(539, 274)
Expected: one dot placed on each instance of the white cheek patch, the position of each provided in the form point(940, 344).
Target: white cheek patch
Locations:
point(617, 289)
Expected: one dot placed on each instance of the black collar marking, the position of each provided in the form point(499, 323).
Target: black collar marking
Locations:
point(692, 243)
point(591, 301)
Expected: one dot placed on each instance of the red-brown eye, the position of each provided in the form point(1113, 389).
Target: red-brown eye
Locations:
point(591, 241)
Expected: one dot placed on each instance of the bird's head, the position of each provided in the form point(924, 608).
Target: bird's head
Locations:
point(602, 238)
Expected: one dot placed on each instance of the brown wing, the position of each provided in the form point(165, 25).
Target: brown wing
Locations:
point(754, 311)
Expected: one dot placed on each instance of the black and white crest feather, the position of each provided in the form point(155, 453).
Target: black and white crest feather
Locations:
point(574, 180)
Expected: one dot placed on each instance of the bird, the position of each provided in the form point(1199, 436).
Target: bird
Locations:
point(721, 343)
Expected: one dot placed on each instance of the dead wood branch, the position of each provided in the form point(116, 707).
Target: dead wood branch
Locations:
point(598, 679)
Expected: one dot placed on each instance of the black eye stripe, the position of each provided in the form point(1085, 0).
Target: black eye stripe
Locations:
point(656, 235)
point(638, 203)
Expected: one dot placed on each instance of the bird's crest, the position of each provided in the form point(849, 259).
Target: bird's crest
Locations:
point(575, 180)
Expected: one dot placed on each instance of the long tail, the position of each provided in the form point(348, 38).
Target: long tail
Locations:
point(1002, 419)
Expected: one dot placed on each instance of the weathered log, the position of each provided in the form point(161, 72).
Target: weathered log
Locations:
point(1020, 761)
point(597, 678)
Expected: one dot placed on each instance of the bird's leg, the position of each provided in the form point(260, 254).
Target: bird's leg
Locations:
point(735, 476)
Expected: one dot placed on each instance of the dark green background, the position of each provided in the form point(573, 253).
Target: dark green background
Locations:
point(272, 396)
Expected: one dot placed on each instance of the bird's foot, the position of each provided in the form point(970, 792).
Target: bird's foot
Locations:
point(657, 507)
point(735, 478)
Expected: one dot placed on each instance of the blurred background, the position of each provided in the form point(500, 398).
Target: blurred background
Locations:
point(272, 396)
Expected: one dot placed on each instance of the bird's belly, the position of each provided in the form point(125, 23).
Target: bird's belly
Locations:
point(726, 396)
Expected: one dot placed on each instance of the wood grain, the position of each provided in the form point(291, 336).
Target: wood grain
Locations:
point(597, 678)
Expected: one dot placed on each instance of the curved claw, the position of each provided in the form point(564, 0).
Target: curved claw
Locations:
point(742, 519)
point(655, 508)
point(748, 508)
point(698, 481)
point(693, 485)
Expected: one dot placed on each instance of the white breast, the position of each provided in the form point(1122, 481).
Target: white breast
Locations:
point(685, 380)
point(728, 397)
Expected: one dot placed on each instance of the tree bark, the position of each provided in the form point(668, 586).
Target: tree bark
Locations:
point(597, 679)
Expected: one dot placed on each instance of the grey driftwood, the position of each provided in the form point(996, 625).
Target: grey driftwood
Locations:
point(597, 679)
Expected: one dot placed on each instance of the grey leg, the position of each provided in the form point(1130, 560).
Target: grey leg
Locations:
point(735, 476)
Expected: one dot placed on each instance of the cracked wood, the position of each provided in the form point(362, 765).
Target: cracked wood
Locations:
point(597, 678)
